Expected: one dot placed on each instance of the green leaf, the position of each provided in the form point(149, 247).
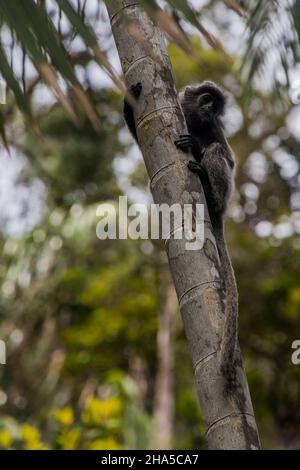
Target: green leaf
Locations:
point(13, 84)
point(90, 39)
point(47, 36)
point(11, 14)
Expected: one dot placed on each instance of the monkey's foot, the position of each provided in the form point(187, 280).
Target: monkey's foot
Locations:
point(195, 167)
point(136, 89)
point(185, 142)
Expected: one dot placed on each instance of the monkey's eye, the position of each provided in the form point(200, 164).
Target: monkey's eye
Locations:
point(206, 98)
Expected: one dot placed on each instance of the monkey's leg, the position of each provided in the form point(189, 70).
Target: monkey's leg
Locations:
point(201, 171)
point(217, 166)
point(128, 111)
point(196, 167)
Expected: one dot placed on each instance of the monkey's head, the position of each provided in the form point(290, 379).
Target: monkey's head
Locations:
point(203, 104)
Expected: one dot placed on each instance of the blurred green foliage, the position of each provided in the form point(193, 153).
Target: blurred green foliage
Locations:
point(97, 424)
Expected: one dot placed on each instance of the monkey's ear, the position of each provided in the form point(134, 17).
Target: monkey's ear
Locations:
point(186, 92)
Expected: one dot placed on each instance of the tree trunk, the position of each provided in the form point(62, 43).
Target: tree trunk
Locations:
point(229, 419)
point(164, 381)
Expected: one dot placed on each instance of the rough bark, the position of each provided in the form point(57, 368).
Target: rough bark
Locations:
point(163, 389)
point(229, 419)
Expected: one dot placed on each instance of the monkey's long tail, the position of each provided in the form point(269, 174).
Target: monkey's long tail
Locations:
point(230, 328)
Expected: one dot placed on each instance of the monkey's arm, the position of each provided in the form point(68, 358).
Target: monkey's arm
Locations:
point(128, 111)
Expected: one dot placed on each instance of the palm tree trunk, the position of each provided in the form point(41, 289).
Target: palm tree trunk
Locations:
point(229, 419)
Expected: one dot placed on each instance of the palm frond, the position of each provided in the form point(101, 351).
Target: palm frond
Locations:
point(271, 44)
point(31, 27)
point(35, 27)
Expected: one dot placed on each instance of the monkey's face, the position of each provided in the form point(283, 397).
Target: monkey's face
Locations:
point(204, 102)
point(206, 106)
